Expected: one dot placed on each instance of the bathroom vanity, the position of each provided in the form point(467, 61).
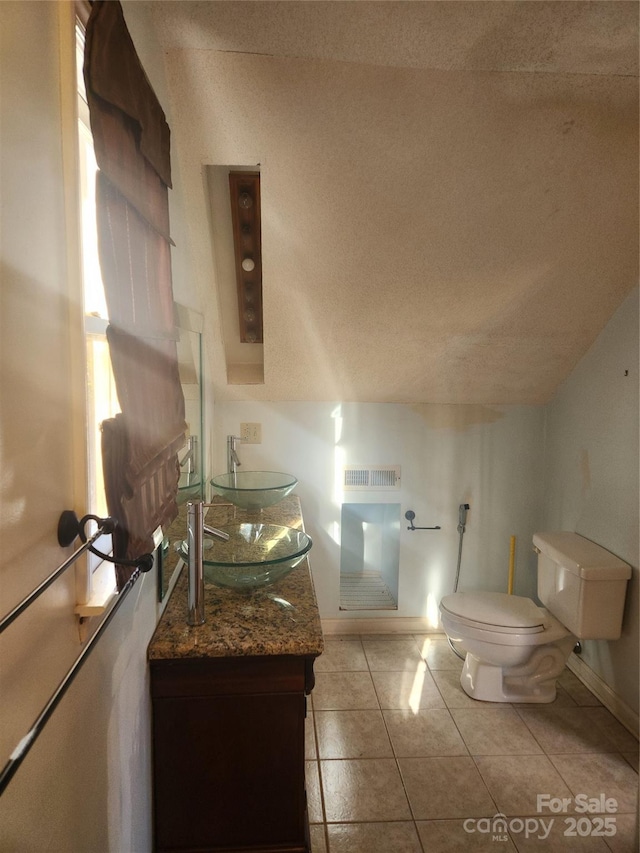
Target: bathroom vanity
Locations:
point(229, 705)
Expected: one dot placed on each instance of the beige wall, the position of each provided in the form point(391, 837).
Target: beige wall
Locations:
point(485, 456)
point(570, 465)
point(592, 475)
point(85, 785)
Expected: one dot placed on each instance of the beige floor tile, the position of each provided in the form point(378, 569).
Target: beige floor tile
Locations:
point(314, 797)
point(341, 655)
point(361, 790)
point(438, 654)
point(553, 839)
point(442, 788)
point(621, 739)
point(514, 781)
point(576, 689)
point(400, 837)
point(562, 700)
point(626, 838)
point(318, 839)
point(448, 683)
point(451, 836)
point(309, 738)
point(411, 690)
point(594, 774)
point(396, 655)
point(565, 730)
point(352, 734)
point(589, 752)
point(424, 733)
point(342, 691)
point(494, 731)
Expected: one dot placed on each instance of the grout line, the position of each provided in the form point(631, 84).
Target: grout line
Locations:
point(413, 820)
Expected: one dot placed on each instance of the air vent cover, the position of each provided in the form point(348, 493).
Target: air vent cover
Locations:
point(369, 477)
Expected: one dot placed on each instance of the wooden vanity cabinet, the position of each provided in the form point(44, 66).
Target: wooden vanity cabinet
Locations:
point(228, 753)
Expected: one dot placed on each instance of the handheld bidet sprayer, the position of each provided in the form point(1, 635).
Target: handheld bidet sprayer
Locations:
point(462, 517)
point(462, 521)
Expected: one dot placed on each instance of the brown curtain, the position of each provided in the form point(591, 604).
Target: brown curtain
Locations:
point(132, 144)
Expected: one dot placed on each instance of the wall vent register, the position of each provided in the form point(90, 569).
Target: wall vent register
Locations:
point(371, 477)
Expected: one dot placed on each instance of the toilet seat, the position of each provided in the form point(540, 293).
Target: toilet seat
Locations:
point(537, 626)
point(495, 612)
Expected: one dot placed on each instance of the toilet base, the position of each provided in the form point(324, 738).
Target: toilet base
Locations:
point(532, 682)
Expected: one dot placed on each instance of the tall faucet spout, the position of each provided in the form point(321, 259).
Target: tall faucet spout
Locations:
point(195, 540)
point(189, 458)
point(233, 462)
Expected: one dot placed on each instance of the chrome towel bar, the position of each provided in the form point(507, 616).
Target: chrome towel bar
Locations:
point(69, 528)
point(410, 515)
point(106, 527)
point(20, 752)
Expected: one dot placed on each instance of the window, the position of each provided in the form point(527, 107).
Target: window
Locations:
point(101, 397)
point(132, 145)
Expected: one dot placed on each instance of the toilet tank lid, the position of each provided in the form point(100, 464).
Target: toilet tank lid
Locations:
point(581, 556)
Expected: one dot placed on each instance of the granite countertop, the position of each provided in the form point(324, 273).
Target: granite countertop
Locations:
point(244, 624)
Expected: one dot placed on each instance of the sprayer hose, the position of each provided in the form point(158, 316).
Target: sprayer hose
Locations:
point(455, 587)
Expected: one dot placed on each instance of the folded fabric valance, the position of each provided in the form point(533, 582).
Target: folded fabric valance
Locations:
point(115, 75)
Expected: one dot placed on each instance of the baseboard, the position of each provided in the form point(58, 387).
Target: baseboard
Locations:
point(601, 690)
point(379, 625)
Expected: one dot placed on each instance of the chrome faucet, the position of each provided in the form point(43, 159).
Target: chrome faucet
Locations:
point(189, 459)
point(196, 528)
point(232, 456)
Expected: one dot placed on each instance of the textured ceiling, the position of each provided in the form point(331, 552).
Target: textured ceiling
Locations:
point(449, 189)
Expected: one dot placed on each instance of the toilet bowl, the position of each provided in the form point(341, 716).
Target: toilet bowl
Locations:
point(515, 650)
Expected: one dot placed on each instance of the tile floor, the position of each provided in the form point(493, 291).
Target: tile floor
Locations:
point(401, 760)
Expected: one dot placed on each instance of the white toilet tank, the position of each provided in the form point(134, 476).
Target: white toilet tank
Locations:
point(582, 584)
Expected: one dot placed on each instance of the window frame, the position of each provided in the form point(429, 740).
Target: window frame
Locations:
point(95, 578)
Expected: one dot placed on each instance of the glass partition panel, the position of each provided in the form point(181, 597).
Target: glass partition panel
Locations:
point(190, 456)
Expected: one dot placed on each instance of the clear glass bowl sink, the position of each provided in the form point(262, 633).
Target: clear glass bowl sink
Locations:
point(254, 489)
point(254, 556)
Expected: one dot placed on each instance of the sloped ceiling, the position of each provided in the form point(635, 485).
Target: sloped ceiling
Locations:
point(449, 189)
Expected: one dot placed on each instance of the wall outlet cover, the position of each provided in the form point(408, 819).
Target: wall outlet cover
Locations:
point(251, 433)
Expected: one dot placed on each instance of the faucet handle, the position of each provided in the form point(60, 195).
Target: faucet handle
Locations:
point(213, 531)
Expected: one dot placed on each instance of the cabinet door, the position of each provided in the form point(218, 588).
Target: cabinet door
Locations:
point(229, 771)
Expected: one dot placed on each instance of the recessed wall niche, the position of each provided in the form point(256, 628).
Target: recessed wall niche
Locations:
point(369, 556)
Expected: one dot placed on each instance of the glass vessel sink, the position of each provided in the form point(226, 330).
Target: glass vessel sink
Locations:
point(189, 488)
point(254, 556)
point(254, 489)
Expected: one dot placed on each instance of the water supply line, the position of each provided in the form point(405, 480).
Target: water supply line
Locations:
point(462, 522)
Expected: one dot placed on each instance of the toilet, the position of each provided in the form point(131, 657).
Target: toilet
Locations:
point(515, 650)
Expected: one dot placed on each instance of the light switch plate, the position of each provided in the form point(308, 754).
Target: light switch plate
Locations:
point(251, 433)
